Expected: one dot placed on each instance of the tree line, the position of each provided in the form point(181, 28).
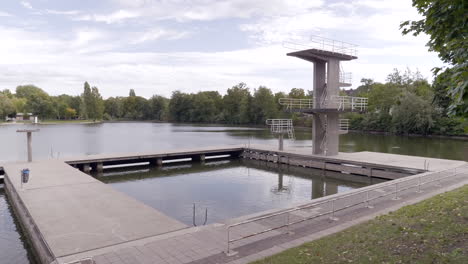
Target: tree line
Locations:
point(406, 103)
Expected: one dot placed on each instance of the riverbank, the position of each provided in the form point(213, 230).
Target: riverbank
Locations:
point(432, 231)
point(54, 122)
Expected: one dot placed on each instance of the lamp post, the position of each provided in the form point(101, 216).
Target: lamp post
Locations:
point(29, 137)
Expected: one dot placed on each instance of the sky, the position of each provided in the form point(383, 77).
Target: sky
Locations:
point(159, 46)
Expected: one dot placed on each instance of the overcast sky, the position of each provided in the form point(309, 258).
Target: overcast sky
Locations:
point(158, 46)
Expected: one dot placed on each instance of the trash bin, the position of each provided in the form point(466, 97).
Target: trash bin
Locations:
point(25, 175)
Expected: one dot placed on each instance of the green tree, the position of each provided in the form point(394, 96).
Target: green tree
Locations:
point(6, 106)
point(113, 106)
point(445, 21)
point(38, 101)
point(158, 107)
point(413, 115)
point(98, 105)
point(206, 107)
point(297, 93)
point(180, 107)
point(236, 104)
point(86, 100)
point(92, 106)
point(264, 105)
point(19, 104)
point(70, 113)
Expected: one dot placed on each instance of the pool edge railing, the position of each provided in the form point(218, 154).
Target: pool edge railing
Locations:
point(331, 200)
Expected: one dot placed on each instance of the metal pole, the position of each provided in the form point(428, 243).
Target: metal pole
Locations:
point(396, 192)
point(227, 251)
point(419, 185)
point(367, 201)
point(280, 142)
point(29, 135)
point(333, 218)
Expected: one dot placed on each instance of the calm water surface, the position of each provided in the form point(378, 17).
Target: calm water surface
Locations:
point(12, 245)
point(227, 188)
point(73, 139)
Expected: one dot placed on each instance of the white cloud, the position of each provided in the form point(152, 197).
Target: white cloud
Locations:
point(61, 12)
point(107, 59)
point(4, 14)
point(160, 33)
point(204, 10)
point(26, 4)
point(114, 17)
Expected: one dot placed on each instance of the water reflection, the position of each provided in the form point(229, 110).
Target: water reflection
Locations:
point(228, 188)
point(75, 139)
point(13, 248)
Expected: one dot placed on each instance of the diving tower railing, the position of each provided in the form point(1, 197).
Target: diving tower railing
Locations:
point(321, 43)
point(340, 103)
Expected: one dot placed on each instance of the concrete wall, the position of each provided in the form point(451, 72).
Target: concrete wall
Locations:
point(341, 167)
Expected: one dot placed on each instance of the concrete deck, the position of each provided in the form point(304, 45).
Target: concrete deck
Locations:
point(206, 245)
point(372, 158)
point(75, 212)
point(77, 216)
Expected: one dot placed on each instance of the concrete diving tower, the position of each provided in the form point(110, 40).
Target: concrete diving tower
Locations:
point(326, 104)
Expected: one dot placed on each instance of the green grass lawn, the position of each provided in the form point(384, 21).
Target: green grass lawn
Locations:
point(432, 231)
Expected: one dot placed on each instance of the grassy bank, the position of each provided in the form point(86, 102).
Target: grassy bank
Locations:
point(432, 231)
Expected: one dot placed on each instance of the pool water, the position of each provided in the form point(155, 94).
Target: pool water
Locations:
point(226, 188)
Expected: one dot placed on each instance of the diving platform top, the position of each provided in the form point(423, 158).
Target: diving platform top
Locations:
point(319, 48)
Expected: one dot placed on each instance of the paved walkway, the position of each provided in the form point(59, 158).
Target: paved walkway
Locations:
point(206, 245)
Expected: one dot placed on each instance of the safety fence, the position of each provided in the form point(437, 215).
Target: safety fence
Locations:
point(332, 205)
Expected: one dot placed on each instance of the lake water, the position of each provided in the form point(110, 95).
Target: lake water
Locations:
point(75, 139)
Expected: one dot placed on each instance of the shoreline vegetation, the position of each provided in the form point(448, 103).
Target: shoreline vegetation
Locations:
point(406, 104)
point(431, 231)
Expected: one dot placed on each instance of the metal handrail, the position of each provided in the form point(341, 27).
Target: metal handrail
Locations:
point(344, 125)
point(280, 126)
point(317, 42)
point(365, 190)
point(293, 103)
point(341, 103)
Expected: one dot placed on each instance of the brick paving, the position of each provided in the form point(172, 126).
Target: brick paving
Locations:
point(207, 245)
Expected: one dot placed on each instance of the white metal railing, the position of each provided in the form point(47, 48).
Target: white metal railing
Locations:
point(341, 103)
point(346, 77)
point(317, 42)
point(344, 125)
point(364, 197)
point(292, 103)
point(349, 103)
point(280, 126)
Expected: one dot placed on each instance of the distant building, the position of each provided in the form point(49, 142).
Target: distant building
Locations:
point(23, 117)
